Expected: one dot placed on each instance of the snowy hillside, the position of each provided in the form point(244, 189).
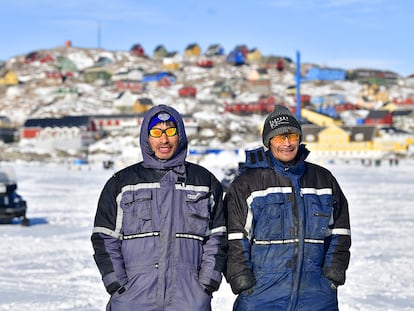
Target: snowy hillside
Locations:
point(39, 95)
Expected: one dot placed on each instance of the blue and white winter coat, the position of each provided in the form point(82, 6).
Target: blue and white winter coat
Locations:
point(289, 236)
point(159, 233)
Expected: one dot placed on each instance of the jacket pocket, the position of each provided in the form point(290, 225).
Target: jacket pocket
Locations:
point(197, 213)
point(136, 206)
point(269, 218)
point(320, 216)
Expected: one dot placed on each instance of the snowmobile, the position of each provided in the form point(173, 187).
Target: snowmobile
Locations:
point(12, 205)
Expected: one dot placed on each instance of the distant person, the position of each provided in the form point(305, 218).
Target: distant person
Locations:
point(159, 233)
point(288, 226)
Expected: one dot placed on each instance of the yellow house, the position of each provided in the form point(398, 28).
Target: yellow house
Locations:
point(170, 66)
point(172, 61)
point(8, 77)
point(254, 56)
point(142, 105)
point(192, 50)
point(362, 141)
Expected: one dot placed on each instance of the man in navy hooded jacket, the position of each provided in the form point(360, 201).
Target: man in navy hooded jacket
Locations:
point(159, 233)
point(288, 226)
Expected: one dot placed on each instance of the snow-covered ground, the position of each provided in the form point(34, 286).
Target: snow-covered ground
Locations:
point(49, 265)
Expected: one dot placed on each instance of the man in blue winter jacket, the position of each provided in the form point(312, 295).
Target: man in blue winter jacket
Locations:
point(159, 233)
point(288, 226)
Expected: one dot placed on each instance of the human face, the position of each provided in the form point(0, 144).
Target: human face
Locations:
point(164, 147)
point(284, 148)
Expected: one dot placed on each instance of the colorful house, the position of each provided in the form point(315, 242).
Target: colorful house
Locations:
point(214, 50)
point(160, 51)
point(187, 91)
point(129, 74)
point(254, 56)
point(157, 77)
point(205, 63)
point(355, 142)
point(38, 56)
point(172, 61)
point(8, 77)
point(137, 50)
point(73, 133)
point(325, 74)
point(379, 117)
point(94, 74)
point(276, 62)
point(192, 49)
point(142, 105)
point(236, 57)
point(373, 76)
point(242, 48)
point(65, 65)
point(135, 86)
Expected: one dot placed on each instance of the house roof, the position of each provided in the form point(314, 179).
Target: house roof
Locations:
point(68, 121)
point(145, 101)
point(308, 129)
point(402, 113)
point(367, 132)
point(377, 114)
point(192, 46)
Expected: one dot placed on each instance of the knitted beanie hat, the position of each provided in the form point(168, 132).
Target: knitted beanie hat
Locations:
point(160, 118)
point(280, 121)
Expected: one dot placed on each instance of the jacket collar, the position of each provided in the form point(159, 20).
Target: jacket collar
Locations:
point(297, 168)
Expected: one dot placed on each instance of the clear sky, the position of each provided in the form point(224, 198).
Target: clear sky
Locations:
point(347, 34)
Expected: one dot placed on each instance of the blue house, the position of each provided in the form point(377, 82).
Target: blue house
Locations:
point(325, 74)
point(236, 57)
point(157, 76)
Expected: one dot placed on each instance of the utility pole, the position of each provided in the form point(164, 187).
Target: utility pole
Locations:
point(298, 85)
point(99, 35)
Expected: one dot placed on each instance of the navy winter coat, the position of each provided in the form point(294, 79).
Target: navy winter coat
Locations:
point(289, 236)
point(159, 234)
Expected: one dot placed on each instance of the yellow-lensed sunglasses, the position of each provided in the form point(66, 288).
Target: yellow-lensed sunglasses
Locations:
point(292, 137)
point(157, 133)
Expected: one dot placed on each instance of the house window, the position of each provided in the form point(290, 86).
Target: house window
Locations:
point(359, 137)
point(310, 138)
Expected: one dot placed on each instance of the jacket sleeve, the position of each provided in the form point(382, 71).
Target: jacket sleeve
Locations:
point(338, 242)
point(215, 246)
point(239, 267)
point(106, 239)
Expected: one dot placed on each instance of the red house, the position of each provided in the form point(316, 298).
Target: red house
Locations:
point(135, 86)
point(205, 63)
point(187, 91)
point(36, 56)
point(379, 117)
point(137, 50)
